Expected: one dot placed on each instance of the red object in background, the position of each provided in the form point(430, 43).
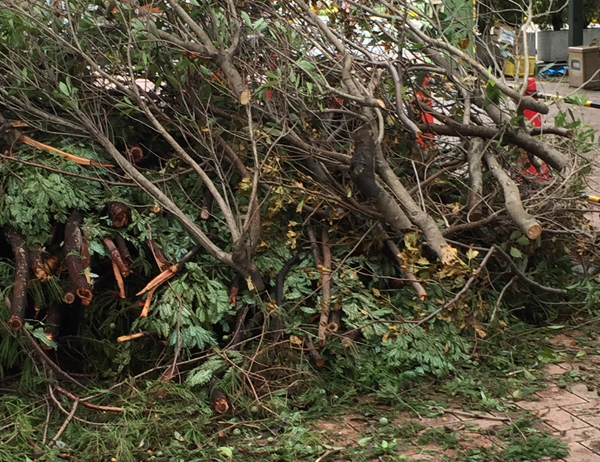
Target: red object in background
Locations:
point(426, 139)
point(535, 118)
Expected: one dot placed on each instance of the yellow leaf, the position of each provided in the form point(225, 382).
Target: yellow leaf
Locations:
point(480, 332)
point(380, 102)
point(294, 340)
point(449, 255)
point(376, 292)
point(471, 253)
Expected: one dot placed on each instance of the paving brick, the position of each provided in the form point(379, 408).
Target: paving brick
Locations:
point(562, 340)
point(485, 424)
point(471, 440)
point(578, 435)
point(579, 453)
point(554, 369)
point(581, 390)
point(551, 400)
point(593, 420)
point(595, 359)
point(562, 421)
point(559, 397)
point(495, 420)
point(592, 445)
point(588, 412)
point(569, 366)
point(535, 405)
point(432, 422)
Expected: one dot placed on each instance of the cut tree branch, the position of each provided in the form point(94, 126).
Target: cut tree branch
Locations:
point(18, 302)
point(512, 198)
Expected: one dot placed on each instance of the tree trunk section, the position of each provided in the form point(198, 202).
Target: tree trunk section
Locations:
point(18, 302)
point(475, 154)
point(362, 172)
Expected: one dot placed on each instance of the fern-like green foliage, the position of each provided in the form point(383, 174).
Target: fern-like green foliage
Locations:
point(34, 199)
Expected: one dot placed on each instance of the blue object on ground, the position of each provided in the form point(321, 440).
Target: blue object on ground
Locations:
point(555, 71)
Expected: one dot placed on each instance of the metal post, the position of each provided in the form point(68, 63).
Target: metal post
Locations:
point(575, 23)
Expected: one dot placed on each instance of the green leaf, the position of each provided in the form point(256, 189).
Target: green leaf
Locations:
point(227, 452)
point(515, 252)
point(523, 240)
point(515, 235)
point(64, 88)
point(305, 65)
point(246, 18)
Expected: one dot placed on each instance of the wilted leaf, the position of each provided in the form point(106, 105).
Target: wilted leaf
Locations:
point(471, 253)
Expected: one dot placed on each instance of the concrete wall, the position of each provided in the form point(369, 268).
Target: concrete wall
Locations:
point(553, 46)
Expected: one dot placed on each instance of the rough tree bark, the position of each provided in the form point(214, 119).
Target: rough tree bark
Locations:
point(73, 243)
point(363, 175)
point(18, 303)
point(474, 199)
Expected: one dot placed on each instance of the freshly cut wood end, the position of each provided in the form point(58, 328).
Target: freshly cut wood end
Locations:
point(136, 153)
point(221, 406)
point(245, 97)
point(333, 327)
point(69, 298)
point(85, 295)
point(534, 231)
point(15, 322)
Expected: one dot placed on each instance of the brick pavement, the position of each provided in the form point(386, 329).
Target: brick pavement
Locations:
point(573, 413)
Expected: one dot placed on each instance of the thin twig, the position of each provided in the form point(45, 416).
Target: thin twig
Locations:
point(524, 278)
point(97, 407)
point(502, 292)
point(65, 423)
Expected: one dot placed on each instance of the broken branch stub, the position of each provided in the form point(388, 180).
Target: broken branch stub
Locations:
point(116, 257)
point(119, 214)
point(52, 323)
point(73, 244)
